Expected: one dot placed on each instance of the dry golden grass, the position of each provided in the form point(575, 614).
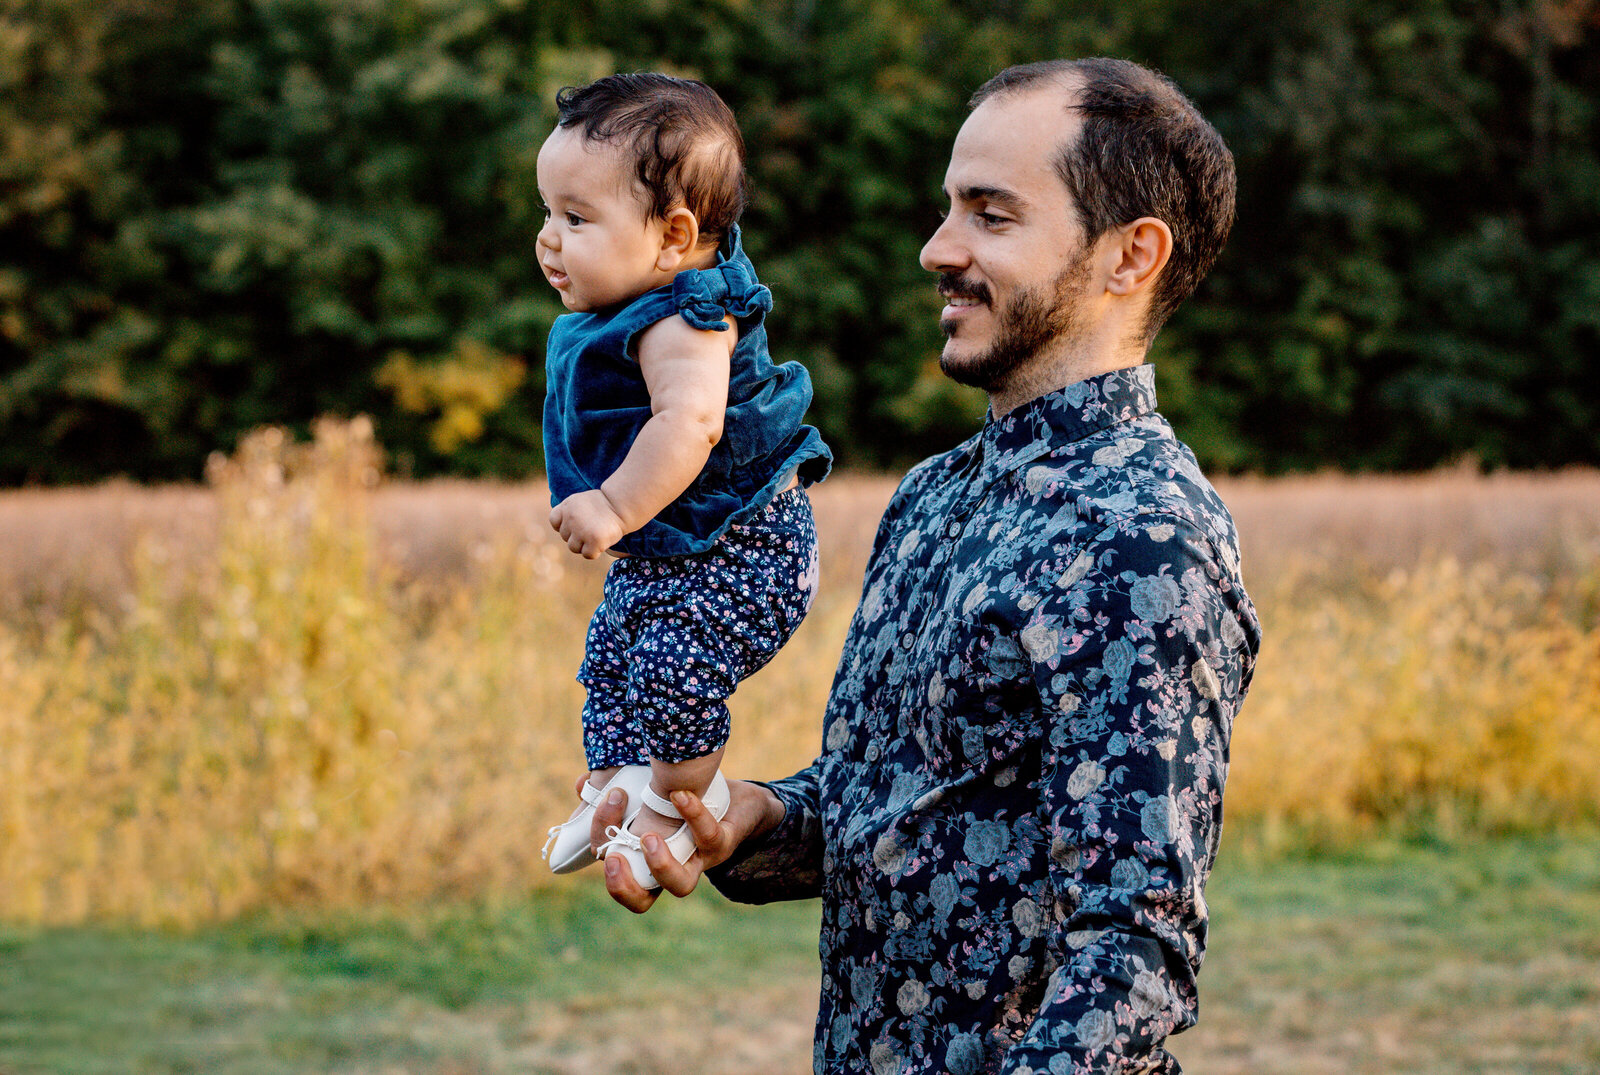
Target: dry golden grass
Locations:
point(1545, 523)
point(1431, 658)
point(1449, 699)
point(303, 686)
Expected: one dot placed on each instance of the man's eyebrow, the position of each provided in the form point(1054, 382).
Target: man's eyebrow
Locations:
point(1005, 199)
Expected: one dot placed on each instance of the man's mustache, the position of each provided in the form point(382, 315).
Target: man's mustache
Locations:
point(955, 286)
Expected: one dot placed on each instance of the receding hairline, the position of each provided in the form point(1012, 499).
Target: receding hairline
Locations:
point(1069, 81)
point(1068, 84)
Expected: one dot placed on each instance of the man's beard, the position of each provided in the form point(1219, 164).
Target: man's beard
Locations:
point(1028, 323)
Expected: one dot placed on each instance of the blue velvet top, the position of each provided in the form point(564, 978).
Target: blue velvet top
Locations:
point(596, 402)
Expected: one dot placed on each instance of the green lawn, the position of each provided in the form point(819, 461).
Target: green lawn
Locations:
point(1477, 959)
point(1399, 959)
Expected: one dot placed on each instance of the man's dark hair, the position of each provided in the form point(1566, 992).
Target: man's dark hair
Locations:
point(1144, 150)
point(683, 139)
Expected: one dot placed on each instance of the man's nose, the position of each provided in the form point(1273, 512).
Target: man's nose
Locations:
point(942, 253)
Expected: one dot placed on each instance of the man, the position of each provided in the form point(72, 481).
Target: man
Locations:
point(1019, 794)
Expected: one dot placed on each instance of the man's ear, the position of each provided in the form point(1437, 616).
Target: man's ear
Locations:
point(1141, 252)
point(679, 239)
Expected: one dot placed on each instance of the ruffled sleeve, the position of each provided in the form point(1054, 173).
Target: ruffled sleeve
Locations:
point(706, 296)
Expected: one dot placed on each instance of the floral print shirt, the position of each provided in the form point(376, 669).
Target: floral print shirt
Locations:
point(1019, 793)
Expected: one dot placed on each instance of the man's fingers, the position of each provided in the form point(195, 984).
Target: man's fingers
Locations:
point(678, 878)
point(620, 882)
point(624, 889)
point(611, 811)
point(706, 829)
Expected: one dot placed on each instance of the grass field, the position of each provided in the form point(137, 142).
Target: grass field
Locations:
point(1479, 958)
point(299, 686)
point(277, 755)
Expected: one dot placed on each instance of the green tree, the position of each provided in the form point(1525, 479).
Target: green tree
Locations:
point(69, 402)
point(288, 192)
point(260, 210)
point(1413, 272)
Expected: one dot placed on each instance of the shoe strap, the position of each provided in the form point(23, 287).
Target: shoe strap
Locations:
point(715, 799)
point(680, 845)
point(660, 805)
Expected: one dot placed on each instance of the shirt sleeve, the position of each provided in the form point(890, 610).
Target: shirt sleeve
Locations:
point(785, 864)
point(1141, 649)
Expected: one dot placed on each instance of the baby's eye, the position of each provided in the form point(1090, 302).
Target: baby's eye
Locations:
point(573, 220)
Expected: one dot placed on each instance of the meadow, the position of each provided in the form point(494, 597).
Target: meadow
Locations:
point(277, 754)
point(302, 686)
point(1477, 957)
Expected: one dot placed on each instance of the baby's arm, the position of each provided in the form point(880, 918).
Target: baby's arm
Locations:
point(686, 372)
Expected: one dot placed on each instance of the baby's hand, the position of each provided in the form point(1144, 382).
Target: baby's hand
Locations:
point(587, 523)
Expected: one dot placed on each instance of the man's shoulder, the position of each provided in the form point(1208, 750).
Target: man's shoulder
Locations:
point(934, 471)
point(1132, 475)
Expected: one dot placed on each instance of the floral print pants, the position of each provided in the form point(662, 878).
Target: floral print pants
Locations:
point(674, 636)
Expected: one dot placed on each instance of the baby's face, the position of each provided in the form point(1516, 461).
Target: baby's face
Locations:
point(599, 245)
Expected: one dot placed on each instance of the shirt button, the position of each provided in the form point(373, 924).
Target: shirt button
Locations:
point(953, 530)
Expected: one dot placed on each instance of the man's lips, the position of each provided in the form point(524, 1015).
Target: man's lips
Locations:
point(961, 295)
point(960, 306)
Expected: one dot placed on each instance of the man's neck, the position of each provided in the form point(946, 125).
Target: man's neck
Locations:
point(1030, 384)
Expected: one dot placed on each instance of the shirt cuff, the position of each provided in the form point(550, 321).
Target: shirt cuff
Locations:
point(786, 863)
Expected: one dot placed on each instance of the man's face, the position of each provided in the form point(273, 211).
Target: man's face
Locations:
point(599, 244)
point(1014, 268)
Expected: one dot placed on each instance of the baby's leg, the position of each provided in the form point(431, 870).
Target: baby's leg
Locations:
point(734, 609)
point(692, 775)
point(610, 734)
point(682, 667)
point(683, 671)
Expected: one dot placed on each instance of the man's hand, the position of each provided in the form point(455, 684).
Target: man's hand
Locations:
point(752, 811)
point(587, 522)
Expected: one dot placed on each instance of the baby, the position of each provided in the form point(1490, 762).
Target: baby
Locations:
point(671, 440)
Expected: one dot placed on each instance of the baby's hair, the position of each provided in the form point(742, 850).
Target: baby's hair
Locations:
point(684, 141)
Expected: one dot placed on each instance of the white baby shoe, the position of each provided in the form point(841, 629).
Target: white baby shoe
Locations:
point(680, 843)
point(567, 849)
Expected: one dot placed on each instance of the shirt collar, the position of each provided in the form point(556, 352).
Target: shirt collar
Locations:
point(1057, 419)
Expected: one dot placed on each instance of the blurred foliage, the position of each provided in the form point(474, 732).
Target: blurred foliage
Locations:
point(463, 388)
point(227, 213)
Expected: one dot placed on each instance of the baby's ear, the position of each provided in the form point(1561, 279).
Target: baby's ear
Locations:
point(679, 239)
